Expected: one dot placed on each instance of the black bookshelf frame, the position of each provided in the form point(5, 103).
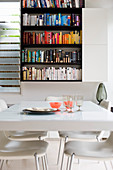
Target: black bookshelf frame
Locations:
point(52, 28)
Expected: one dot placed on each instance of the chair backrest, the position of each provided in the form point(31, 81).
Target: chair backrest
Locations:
point(3, 105)
point(53, 98)
point(106, 105)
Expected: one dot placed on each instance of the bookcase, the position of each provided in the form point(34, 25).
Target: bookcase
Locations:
point(51, 40)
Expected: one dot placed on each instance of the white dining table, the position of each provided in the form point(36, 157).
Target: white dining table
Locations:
point(92, 117)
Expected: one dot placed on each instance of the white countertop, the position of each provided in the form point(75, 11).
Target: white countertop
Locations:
point(92, 117)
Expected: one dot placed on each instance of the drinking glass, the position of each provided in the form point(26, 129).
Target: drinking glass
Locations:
point(71, 103)
point(65, 102)
point(79, 102)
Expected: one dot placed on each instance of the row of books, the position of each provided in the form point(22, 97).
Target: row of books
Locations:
point(51, 20)
point(52, 73)
point(51, 56)
point(73, 37)
point(53, 3)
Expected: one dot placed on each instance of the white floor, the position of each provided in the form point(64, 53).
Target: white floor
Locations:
point(52, 159)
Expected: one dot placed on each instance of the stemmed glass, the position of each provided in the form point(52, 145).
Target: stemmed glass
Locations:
point(71, 103)
point(65, 102)
point(79, 102)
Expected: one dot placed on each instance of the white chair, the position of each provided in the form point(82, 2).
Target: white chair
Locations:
point(80, 136)
point(100, 151)
point(88, 136)
point(22, 135)
point(53, 98)
point(13, 150)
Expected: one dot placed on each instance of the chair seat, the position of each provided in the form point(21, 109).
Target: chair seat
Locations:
point(90, 150)
point(15, 150)
point(26, 135)
point(80, 135)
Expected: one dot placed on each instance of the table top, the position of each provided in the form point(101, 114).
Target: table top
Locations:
point(92, 117)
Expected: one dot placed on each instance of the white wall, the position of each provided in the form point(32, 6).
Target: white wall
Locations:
point(109, 84)
point(38, 91)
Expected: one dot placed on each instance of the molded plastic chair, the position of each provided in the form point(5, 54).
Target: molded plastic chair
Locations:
point(88, 136)
point(100, 151)
point(80, 136)
point(22, 135)
point(53, 98)
point(13, 150)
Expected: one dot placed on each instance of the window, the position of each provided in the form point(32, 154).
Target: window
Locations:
point(9, 46)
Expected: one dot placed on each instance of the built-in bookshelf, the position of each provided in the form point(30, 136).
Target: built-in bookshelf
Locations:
point(51, 40)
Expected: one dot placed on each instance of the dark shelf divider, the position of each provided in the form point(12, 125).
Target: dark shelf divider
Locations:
point(52, 46)
point(26, 28)
point(52, 10)
point(51, 80)
point(37, 63)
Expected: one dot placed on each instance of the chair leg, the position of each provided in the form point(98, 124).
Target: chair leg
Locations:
point(105, 165)
point(59, 151)
point(37, 162)
point(43, 163)
point(66, 138)
point(71, 162)
point(111, 164)
point(67, 168)
point(62, 162)
point(6, 161)
point(46, 162)
point(2, 162)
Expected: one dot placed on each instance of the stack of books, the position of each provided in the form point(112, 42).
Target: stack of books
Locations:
point(73, 37)
point(51, 56)
point(52, 3)
point(50, 20)
point(52, 73)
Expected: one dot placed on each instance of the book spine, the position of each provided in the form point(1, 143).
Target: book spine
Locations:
point(33, 37)
point(30, 58)
point(69, 20)
point(42, 3)
point(32, 3)
point(59, 18)
point(24, 70)
point(23, 60)
point(33, 57)
point(38, 2)
point(36, 56)
point(24, 35)
point(57, 23)
point(77, 3)
point(42, 56)
point(45, 4)
point(25, 19)
point(47, 19)
point(54, 20)
point(26, 55)
point(57, 2)
point(57, 38)
point(24, 5)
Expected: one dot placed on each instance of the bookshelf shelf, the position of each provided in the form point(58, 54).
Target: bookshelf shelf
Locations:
point(52, 10)
point(52, 46)
point(63, 28)
point(33, 48)
point(44, 63)
point(51, 80)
